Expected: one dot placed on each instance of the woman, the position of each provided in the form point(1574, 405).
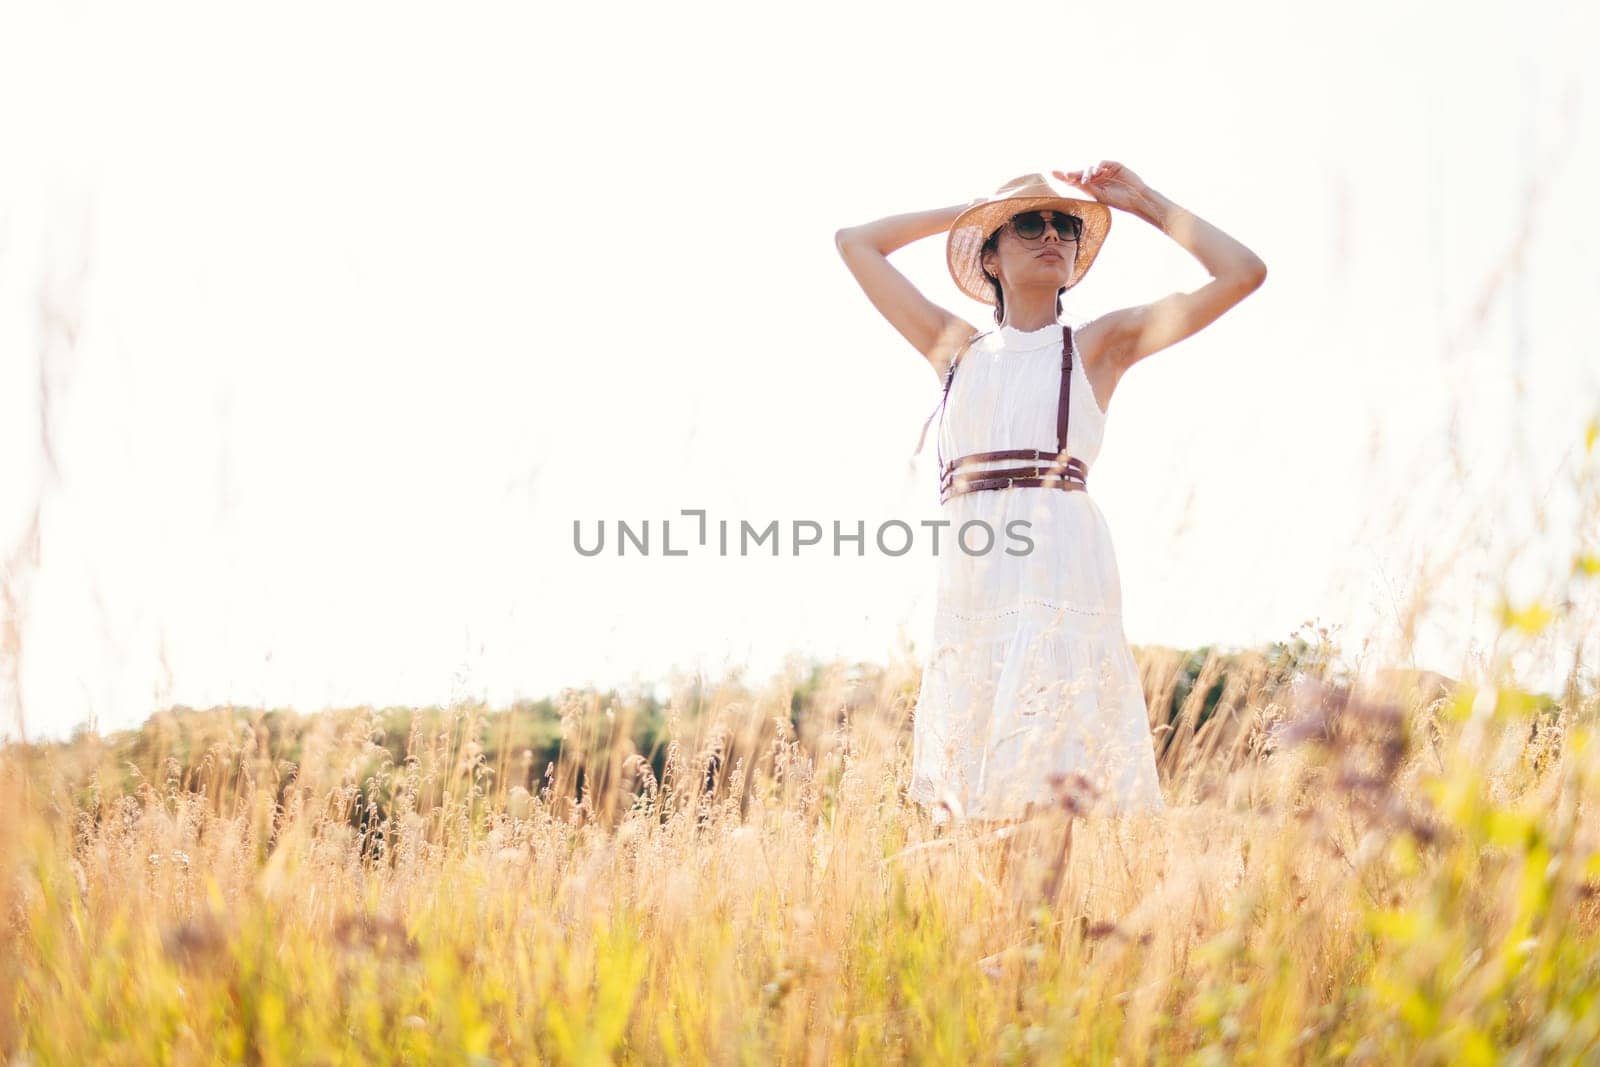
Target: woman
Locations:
point(1031, 696)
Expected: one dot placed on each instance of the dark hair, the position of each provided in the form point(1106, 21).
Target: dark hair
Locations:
point(993, 245)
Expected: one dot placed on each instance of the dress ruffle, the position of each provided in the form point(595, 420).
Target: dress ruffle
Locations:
point(1014, 703)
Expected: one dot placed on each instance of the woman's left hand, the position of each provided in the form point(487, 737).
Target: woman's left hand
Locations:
point(1111, 184)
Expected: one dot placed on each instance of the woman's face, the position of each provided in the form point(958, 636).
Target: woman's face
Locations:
point(1044, 262)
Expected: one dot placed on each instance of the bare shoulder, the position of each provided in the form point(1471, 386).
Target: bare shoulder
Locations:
point(955, 334)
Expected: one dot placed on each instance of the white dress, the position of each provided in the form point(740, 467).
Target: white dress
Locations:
point(1031, 676)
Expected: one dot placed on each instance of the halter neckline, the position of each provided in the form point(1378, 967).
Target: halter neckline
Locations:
point(1048, 336)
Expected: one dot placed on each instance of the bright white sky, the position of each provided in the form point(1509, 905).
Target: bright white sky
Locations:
point(372, 302)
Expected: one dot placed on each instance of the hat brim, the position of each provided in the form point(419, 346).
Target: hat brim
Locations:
point(975, 225)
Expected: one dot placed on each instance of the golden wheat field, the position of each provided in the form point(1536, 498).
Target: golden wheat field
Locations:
point(317, 337)
point(381, 385)
point(1404, 872)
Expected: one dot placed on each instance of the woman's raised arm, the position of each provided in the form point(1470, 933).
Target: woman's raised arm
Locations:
point(1129, 334)
point(935, 332)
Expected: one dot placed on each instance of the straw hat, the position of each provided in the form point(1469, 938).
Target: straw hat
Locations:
point(1031, 192)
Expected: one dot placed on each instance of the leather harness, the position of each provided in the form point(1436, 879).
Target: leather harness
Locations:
point(1061, 472)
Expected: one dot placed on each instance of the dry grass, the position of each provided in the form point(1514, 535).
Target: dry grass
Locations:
point(1377, 877)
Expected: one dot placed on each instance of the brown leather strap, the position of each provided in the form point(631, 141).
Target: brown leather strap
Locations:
point(1066, 391)
point(1063, 471)
point(961, 482)
point(1072, 463)
point(1035, 471)
point(1007, 483)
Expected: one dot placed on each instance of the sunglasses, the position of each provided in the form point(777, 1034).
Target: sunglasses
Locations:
point(1030, 225)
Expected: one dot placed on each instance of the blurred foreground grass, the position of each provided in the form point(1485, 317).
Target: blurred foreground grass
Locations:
point(1405, 873)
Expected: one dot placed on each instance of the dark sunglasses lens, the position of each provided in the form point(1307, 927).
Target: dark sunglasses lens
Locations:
point(1029, 224)
point(1067, 227)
